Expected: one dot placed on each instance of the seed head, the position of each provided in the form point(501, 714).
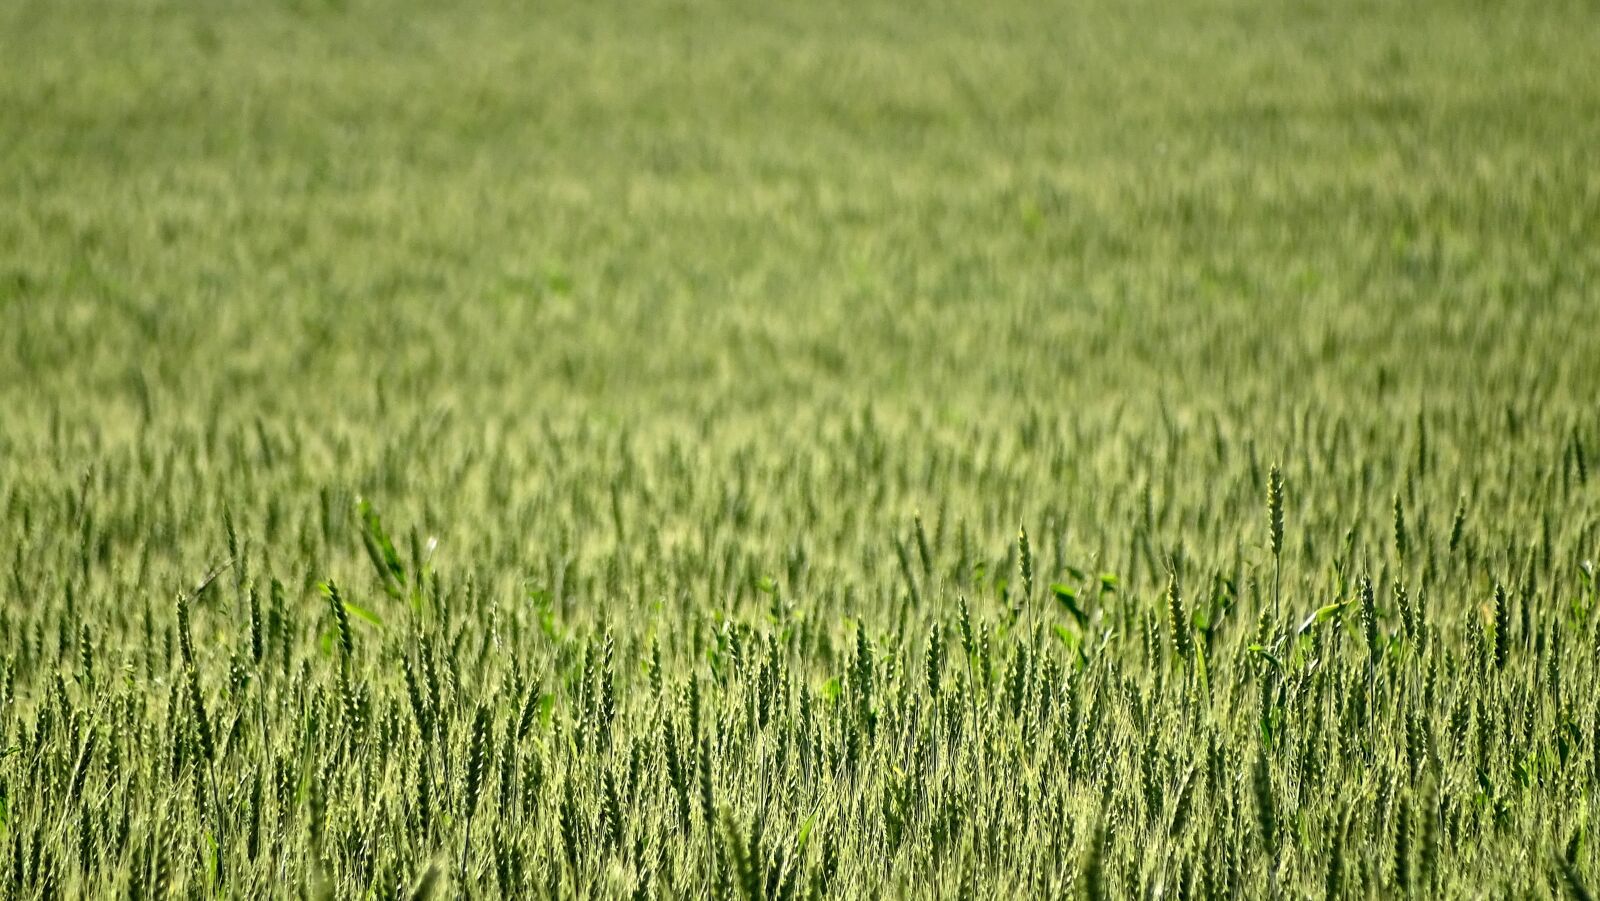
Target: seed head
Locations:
point(1275, 508)
point(1182, 644)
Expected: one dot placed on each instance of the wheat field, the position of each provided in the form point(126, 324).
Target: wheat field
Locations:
point(702, 450)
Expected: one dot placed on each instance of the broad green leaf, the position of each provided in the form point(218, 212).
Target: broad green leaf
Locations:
point(1322, 615)
point(363, 613)
point(380, 550)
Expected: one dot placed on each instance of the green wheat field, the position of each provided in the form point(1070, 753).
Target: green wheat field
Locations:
point(1103, 449)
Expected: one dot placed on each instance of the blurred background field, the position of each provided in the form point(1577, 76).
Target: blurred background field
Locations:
point(666, 210)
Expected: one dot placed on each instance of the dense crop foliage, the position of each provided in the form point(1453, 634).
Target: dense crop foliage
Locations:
point(956, 450)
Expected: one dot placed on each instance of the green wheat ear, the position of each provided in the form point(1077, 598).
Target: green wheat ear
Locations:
point(1025, 554)
point(341, 618)
point(1177, 620)
point(1401, 538)
point(1502, 628)
point(1275, 510)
